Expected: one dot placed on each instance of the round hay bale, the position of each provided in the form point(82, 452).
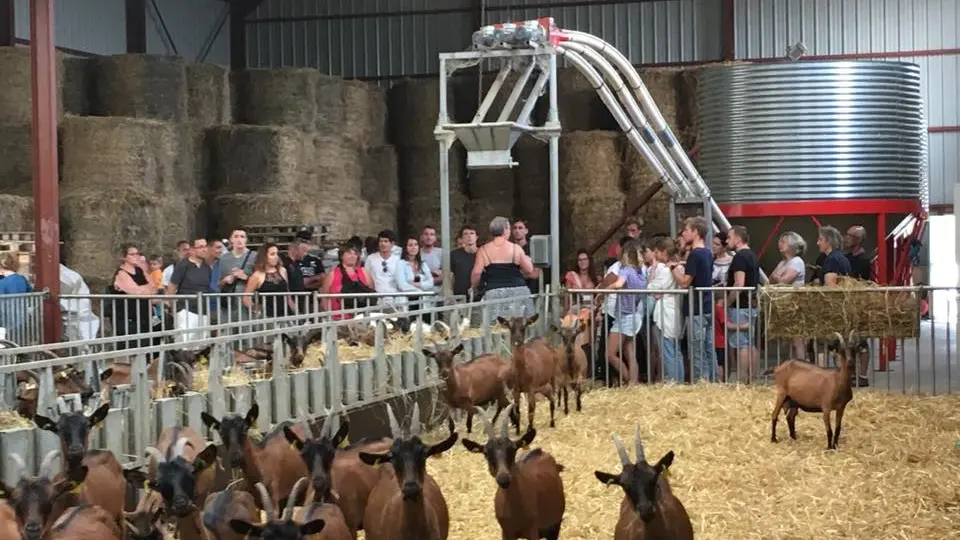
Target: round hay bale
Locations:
point(380, 179)
point(277, 97)
point(492, 184)
point(419, 169)
point(414, 108)
point(663, 85)
point(16, 167)
point(425, 210)
point(241, 210)
point(142, 86)
point(364, 113)
point(15, 99)
point(257, 159)
point(109, 153)
point(584, 217)
point(383, 215)
point(591, 161)
point(330, 115)
point(579, 107)
point(78, 89)
point(208, 94)
point(16, 213)
point(337, 166)
point(533, 182)
point(638, 176)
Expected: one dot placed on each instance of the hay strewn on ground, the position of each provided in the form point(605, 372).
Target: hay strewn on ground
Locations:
point(78, 86)
point(142, 86)
point(208, 94)
point(419, 169)
point(814, 312)
point(889, 479)
point(337, 166)
point(381, 182)
point(585, 218)
point(414, 108)
point(16, 155)
point(257, 159)
point(276, 97)
point(637, 177)
point(532, 177)
point(590, 161)
point(232, 211)
point(16, 213)
point(116, 153)
point(364, 113)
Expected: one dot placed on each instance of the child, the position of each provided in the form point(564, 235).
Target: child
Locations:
point(719, 334)
point(665, 314)
point(155, 272)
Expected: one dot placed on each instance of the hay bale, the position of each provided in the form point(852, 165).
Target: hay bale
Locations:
point(15, 99)
point(425, 210)
point(818, 312)
point(276, 97)
point(16, 166)
point(338, 167)
point(688, 109)
point(419, 169)
point(638, 176)
point(241, 210)
point(380, 180)
point(591, 161)
point(382, 216)
point(480, 212)
point(208, 94)
point(194, 165)
point(142, 86)
point(257, 159)
point(414, 108)
point(663, 85)
point(78, 89)
point(344, 216)
point(578, 104)
point(116, 153)
point(532, 177)
point(364, 113)
point(16, 213)
point(179, 214)
point(584, 217)
point(492, 184)
point(330, 115)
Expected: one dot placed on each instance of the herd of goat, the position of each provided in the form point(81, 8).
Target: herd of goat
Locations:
point(323, 489)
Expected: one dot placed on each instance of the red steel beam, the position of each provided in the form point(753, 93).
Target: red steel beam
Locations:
point(820, 207)
point(943, 129)
point(46, 193)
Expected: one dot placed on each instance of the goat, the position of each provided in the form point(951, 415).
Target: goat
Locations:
point(804, 386)
point(69, 380)
point(33, 499)
point(143, 522)
point(105, 486)
point(85, 521)
point(529, 501)
point(9, 530)
point(298, 345)
point(467, 385)
point(177, 375)
point(573, 360)
point(337, 474)
point(647, 496)
point(407, 502)
point(534, 368)
point(283, 529)
point(223, 506)
point(271, 460)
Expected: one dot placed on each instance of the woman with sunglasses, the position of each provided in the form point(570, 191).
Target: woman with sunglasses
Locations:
point(413, 275)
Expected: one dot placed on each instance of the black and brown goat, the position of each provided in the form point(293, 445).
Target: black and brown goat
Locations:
point(530, 502)
point(284, 528)
point(649, 508)
point(475, 383)
point(66, 380)
point(573, 360)
point(809, 388)
point(37, 500)
point(407, 502)
point(534, 368)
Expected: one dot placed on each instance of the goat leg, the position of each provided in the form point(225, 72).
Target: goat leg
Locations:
point(469, 420)
point(836, 432)
point(579, 390)
point(532, 407)
point(826, 424)
point(792, 421)
point(516, 410)
point(781, 398)
point(566, 400)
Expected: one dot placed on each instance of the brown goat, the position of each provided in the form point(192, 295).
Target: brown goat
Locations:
point(407, 502)
point(573, 360)
point(530, 502)
point(35, 500)
point(86, 521)
point(475, 383)
point(234, 502)
point(534, 368)
point(804, 386)
point(143, 523)
point(271, 460)
point(178, 377)
point(285, 528)
point(9, 530)
point(69, 380)
point(647, 496)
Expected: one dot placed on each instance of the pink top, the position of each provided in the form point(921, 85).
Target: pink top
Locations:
point(336, 285)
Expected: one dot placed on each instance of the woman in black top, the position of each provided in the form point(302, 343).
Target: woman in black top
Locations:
point(131, 316)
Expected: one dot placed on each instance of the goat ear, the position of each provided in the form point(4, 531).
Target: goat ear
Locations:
point(428, 353)
point(245, 529)
point(532, 319)
point(527, 437)
point(287, 339)
point(106, 374)
point(203, 353)
point(292, 438)
point(135, 477)
point(46, 424)
point(503, 322)
point(252, 415)
point(341, 434)
point(472, 446)
point(607, 478)
point(443, 446)
point(313, 527)
point(457, 350)
point(553, 328)
point(206, 458)
point(210, 421)
point(98, 416)
point(665, 462)
point(374, 459)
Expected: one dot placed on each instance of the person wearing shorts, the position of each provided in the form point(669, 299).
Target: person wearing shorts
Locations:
point(741, 313)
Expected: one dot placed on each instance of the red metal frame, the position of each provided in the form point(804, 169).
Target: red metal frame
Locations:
point(770, 236)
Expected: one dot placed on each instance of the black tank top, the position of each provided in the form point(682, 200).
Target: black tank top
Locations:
point(502, 275)
point(274, 305)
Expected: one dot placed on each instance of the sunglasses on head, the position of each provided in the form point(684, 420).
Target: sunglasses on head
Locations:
point(385, 270)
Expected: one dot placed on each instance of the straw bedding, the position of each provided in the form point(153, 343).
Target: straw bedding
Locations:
point(584, 218)
point(337, 166)
point(591, 161)
point(812, 312)
point(419, 169)
point(142, 86)
point(276, 97)
point(16, 159)
point(208, 94)
point(533, 182)
point(414, 108)
point(887, 480)
point(78, 87)
point(255, 159)
point(117, 153)
point(637, 177)
point(16, 213)
point(380, 181)
point(243, 209)
point(364, 113)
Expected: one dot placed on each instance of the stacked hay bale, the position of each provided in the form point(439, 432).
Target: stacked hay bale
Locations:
point(16, 213)
point(381, 187)
point(492, 193)
point(532, 177)
point(208, 106)
point(688, 109)
point(590, 171)
point(338, 172)
point(578, 104)
point(79, 85)
point(363, 107)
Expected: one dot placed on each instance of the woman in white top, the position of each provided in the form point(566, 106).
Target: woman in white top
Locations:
point(666, 317)
point(414, 276)
point(791, 271)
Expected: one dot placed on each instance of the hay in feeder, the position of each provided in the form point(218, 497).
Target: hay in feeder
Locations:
point(276, 97)
point(419, 169)
point(78, 89)
point(233, 376)
point(337, 166)
point(414, 108)
point(257, 159)
point(491, 184)
point(364, 113)
point(208, 94)
point(425, 210)
point(637, 177)
point(578, 104)
point(245, 209)
point(590, 161)
point(16, 213)
point(142, 86)
point(16, 159)
point(116, 153)
point(382, 216)
point(532, 177)
point(585, 217)
point(887, 480)
point(380, 181)
point(12, 420)
point(818, 312)
point(663, 84)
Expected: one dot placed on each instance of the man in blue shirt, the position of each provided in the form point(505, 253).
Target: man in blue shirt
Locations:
point(697, 272)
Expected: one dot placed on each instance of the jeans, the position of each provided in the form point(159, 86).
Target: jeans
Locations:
point(703, 361)
point(672, 361)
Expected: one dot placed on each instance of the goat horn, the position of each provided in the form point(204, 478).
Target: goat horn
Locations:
point(853, 337)
point(841, 340)
point(395, 431)
point(292, 499)
point(305, 420)
point(334, 422)
point(624, 456)
point(181, 445)
point(18, 464)
point(177, 366)
point(133, 528)
point(46, 466)
point(482, 415)
point(155, 453)
point(638, 444)
point(94, 403)
point(265, 501)
point(504, 424)
point(415, 421)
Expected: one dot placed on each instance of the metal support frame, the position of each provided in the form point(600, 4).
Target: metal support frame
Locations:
point(135, 14)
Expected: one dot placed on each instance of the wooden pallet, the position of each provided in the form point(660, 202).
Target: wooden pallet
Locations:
point(16, 236)
point(281, 235)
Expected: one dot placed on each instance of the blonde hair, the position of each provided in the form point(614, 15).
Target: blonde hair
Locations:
point(10, 262)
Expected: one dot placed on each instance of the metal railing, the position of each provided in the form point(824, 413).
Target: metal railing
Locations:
point(21, 317)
